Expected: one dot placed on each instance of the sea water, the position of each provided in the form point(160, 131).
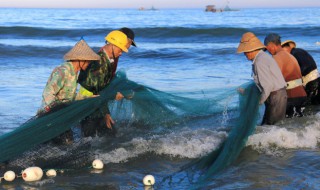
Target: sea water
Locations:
point(179, 51)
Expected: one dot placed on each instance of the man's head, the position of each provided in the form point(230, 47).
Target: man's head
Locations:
point(118, 41)
point(81, 53)
point(249, 45)
point(130, 35)
point(288, 45)
point(272, 42)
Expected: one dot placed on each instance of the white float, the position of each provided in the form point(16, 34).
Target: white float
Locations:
point(97, 164)
point(148, 180)
point(51, 173)
point(32, 174)
point(9, 176)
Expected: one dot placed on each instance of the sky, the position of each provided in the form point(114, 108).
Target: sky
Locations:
point(158, 3)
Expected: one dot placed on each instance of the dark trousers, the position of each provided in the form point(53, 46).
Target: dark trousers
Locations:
point(312, 90)
point(95, 126)
point(275, 107)
point(294, 107)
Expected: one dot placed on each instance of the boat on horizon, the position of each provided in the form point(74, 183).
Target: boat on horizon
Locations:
point(212, 8)
point(151, 9)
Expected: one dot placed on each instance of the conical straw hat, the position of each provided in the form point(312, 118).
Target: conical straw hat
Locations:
point(249, 42)
point(81, 51)
point(292, 43)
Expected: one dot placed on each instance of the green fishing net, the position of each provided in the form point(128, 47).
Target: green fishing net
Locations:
point(142, 106)
point(243, 125)
point(238, 136)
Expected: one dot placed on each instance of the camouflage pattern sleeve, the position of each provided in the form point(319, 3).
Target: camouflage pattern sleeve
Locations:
point(53, 86)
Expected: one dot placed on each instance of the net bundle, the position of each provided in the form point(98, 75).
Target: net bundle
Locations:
point(142, 104)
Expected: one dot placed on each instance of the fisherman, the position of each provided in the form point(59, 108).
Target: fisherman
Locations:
point(291, 72)
point(130, 35)
point(62, 83)
point(99, 75)
point(268, 78)
point(309, 71)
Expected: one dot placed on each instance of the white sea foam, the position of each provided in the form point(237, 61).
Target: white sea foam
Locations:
point(269, 139)
point(191, 143)
point(187, 143)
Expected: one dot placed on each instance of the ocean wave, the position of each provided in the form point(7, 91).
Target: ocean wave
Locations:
point(195, 143)
point(31, 52)
point(161, 34)
point(56, 49)
point(187, 143)
point(273, 139)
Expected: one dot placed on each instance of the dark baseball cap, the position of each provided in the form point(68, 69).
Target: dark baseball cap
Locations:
point(129, 33)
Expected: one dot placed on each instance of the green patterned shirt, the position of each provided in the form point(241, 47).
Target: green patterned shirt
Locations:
point(61, 86)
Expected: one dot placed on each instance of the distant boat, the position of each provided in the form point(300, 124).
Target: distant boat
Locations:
point(151, 9)
point(212, 8)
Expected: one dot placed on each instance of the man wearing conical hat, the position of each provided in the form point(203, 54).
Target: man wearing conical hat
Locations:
point(267, 76)
point(309, 71)
point(98, 75)
point(291, 72)
point(62, 83)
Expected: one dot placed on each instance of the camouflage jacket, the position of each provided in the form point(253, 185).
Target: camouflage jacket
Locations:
point(98, 74)
point(61, 86)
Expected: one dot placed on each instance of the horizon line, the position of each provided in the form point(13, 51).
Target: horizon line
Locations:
point(158, 8)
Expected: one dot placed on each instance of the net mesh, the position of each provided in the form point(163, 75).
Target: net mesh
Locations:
point(142, 106)
point(200, 171)
point(238, 136)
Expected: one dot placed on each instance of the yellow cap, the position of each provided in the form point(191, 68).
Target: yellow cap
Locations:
point(118, 39)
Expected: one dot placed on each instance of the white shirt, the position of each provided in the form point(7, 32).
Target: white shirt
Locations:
point(267, 75)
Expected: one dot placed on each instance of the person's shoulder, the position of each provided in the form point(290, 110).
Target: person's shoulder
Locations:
point(283, 55)
point(299, 52)
point(262, 60)
point(262, 56)
point(61, 70)
point(291, 56)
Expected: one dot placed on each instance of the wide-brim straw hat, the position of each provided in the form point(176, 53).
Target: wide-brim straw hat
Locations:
point(81, 51)
point(249, 42)
point(291, 43)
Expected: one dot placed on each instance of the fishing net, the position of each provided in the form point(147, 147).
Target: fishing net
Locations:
point(64, 157)
point(243, 126)
point(142, 106)
point(238, 136)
